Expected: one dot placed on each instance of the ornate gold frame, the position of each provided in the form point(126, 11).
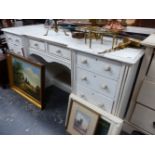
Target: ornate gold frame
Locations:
point(38, 103)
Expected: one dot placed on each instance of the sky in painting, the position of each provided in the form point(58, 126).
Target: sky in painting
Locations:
point(32, 73)
point(85, 118)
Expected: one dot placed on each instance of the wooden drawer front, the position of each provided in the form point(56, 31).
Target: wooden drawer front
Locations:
point(95, 98)
point(13, 39)
point(107, 68)
point(62, 52)
point(144, 118)
point(147, 94)
point(37, 45)
point(98, 83)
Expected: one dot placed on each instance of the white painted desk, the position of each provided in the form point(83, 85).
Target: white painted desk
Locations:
point(104, 80)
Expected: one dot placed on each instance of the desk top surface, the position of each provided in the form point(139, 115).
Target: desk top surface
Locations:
point(127, 55)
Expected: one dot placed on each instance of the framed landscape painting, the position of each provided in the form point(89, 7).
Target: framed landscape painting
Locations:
point(82, 120)
point(27, 78)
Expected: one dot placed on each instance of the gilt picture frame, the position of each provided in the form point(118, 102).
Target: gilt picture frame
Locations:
point(27, 78)
point(82, 120)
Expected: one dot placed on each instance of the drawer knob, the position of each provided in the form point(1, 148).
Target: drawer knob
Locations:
point(82, 96)
point(84, 61)
point(17, 40)
point(9, 38)
point(58, 51)
point(36, 45)
point(104, 86)
point(102, 106)
point(107, 68)
point(154, 124)
point(84, 78)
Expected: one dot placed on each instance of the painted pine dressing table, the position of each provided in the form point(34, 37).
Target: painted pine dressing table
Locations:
point(105, 80)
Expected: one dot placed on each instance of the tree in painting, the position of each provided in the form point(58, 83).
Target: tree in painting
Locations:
point(17, 72)
point(27, 78)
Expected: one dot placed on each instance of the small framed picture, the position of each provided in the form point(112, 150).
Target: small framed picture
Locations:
point(84, 118)
point(82, 121)
point(27, 78)
point(109, 125)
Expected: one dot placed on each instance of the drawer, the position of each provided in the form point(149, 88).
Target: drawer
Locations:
point(144, 118)
point(18, 41)
point(59, 51)
point(18, 50)
point(95, 98)
point(38, 45)
point(15, 49)
point(104, 67)
point(13, 39)
point(9, 38)
point(11, 47)
point(96, 82)
point(146, 94)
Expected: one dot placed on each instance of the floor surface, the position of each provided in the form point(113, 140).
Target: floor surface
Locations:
point(19, 117)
